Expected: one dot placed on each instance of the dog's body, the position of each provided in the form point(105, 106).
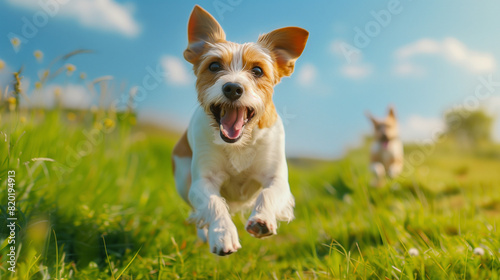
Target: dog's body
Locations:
point(386, 156)
point(232, 157)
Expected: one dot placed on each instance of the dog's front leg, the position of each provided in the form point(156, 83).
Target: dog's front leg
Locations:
point(378, 171)
point(395, 169)
point(275, 202)
point(211, 211)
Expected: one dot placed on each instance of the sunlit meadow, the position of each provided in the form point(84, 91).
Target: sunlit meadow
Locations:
point(95, 199)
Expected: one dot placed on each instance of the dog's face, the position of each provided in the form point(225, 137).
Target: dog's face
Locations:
point(386, 129)
point(235, 82)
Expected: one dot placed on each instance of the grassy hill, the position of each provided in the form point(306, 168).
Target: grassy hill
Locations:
point(96, 200)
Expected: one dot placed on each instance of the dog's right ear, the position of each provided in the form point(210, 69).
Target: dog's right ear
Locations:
point(391, 113)
point(286, 44)
point(372, 119)
point(202, 28)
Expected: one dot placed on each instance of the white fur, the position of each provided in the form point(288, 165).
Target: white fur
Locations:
point(181, 175)
point(386, 166)
point(249, 99)
point(235, 73)
point(227, 178)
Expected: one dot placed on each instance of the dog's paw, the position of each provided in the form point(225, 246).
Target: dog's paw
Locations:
point(223, 239)
point(261, 228)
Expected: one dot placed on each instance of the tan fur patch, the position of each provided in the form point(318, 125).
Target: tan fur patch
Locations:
point(181, 149)
point(265, 84)
point(286, 45)
point(275, 53)
point(202, 28)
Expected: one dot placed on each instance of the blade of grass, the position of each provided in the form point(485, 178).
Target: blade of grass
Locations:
point(107, 258)
point(57, 255)
point(119, 275)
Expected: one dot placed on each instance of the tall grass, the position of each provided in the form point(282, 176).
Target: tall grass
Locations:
point(104, 206)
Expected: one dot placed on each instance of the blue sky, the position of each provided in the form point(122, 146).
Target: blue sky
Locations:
point(423, 57)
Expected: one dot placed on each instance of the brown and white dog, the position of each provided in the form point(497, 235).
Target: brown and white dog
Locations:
point(232, 156)
point(386, 156)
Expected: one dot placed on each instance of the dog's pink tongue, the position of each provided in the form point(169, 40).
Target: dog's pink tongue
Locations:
point(385, 144)
point(232, 122)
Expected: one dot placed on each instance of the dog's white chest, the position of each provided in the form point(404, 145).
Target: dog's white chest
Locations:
point(241, 185)
point(241, 159)
point(240, 192)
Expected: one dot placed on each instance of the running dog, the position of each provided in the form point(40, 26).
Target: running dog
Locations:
point(386, 155)
point(232, 156)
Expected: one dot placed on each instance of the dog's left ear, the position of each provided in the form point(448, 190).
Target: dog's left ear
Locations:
point(372, 119)
point(286, 44)
point(202, 28)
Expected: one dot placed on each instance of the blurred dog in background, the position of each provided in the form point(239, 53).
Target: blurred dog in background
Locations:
point(386, 156)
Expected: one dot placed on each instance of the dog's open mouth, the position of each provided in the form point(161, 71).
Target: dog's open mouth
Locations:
point(385, 141)
point(231, 120)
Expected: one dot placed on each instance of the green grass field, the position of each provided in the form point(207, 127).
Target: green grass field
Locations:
point(96, 200)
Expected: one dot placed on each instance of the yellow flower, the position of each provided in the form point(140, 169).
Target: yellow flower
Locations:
point(38, 55)
point(71, 116)
point(15, 42)
point(22, 119)
point(70, 67)
point(2, 64)
point(83, 75)
point(109, 123)
point(12, 103)
point(38, 85)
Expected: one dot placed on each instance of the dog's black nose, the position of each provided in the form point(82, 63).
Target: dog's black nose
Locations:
point(233, 91)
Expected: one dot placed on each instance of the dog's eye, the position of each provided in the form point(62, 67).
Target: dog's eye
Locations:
point(257, 72)
point(215, 67)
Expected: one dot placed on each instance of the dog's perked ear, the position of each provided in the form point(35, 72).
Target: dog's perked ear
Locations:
point(202, 28)
point(372, 119)
point(392, 113)
point(286, 44)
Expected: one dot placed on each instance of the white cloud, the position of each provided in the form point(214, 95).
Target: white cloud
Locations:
point(71, 96)
point(408, 69)
point(451, 49)
point(423, 46)
point(354, 66)
point(356, 71)
point(176, 71)
point(306, 76)
point(418, 128)
point(105, 15)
